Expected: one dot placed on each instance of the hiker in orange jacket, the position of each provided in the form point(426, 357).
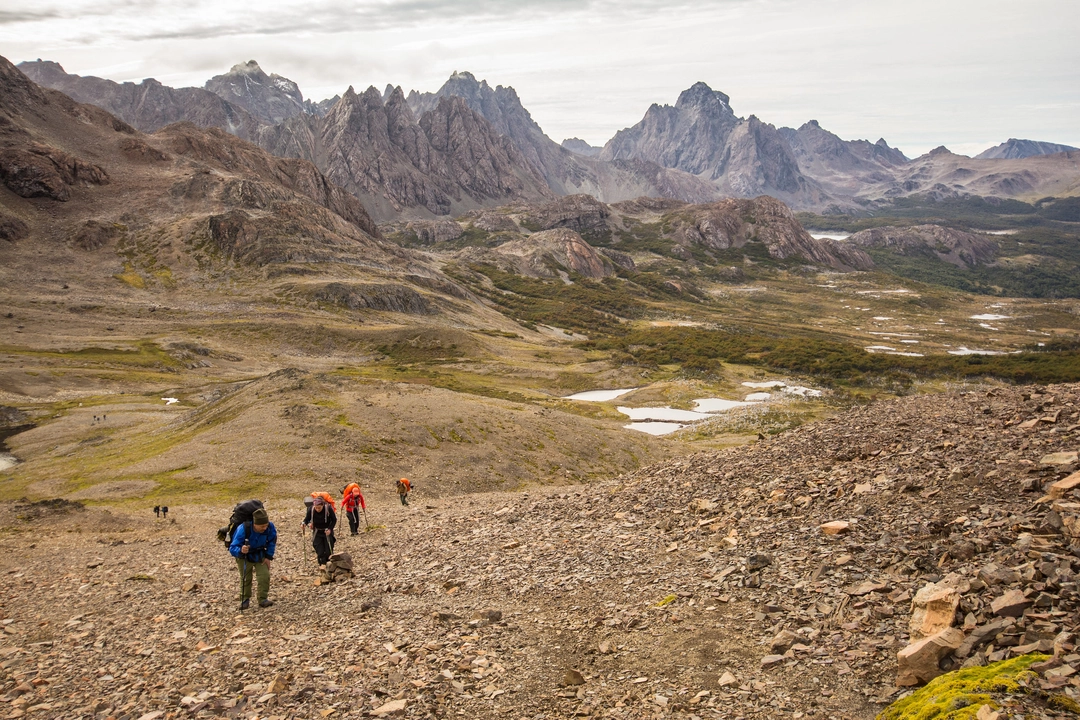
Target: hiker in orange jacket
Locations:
point(352, 502)
point(404, 487)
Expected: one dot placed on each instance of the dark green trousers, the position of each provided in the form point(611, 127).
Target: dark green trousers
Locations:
point(262, 575)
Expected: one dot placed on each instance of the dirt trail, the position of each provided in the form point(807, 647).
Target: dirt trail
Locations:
point(700, 587)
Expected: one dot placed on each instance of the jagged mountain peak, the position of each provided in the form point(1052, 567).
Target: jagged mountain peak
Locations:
point(270, 98)
point(465, 76)
point(700, 95)
point(246, 68)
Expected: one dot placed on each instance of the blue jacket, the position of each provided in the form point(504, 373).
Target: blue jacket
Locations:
point(262, 544)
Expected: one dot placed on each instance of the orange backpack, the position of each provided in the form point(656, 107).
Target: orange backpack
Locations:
point(326, 498)
point(403, 486)
point(348, 491)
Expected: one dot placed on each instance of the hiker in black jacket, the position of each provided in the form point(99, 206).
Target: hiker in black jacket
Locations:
point(322, 519)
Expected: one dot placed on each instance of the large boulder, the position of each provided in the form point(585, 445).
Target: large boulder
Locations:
point(933, 609)
point(919, 661)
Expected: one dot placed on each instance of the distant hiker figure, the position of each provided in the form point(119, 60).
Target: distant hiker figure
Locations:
point(157, 510)
point(322, 519)
point(404, 487)
point(253, 545)
point(352, 502)
point(164, 511)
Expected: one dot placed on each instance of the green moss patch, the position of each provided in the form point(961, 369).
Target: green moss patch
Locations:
point(959, 695)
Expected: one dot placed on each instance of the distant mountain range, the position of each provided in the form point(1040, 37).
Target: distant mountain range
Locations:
point(469, 145)
point(1013, 149)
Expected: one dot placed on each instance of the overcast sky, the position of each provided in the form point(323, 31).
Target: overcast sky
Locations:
point(967, 74)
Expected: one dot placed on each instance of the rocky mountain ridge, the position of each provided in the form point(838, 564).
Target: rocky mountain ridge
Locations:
point(696, 150)
point(173, 208)
point(1013, 149)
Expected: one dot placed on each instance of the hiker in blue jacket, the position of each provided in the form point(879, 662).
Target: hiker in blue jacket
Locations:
point(253, 546)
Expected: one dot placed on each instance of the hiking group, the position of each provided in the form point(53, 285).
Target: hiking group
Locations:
point(252, 539)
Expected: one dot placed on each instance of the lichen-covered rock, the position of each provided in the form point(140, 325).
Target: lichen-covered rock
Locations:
point(960, 694)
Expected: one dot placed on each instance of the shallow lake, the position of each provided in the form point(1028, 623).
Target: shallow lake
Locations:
point(662, 413)
point(655, 428)
point(599, 395)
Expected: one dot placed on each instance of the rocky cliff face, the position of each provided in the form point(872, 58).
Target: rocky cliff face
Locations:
point(701, 135)
point(450, 159)
point(1013, 149)
point(149, 105)
point(841, 167)
point(691, 135)
point(963, 249)
point(269, 98)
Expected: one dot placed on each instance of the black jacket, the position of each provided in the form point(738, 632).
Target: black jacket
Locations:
point(321, 520)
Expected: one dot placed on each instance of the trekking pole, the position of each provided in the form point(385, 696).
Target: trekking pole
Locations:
point(304, 542)
point(243, 577)
point(366, 523)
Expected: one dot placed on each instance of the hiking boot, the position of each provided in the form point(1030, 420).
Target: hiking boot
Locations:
point(245, 605)
point(266, 603)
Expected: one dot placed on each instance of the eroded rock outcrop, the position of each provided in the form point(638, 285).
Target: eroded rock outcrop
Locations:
point(963, 249)
point(734, 223)
point(544, 254)
point(39, 170)
point(574, 212)
point(390, 297)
